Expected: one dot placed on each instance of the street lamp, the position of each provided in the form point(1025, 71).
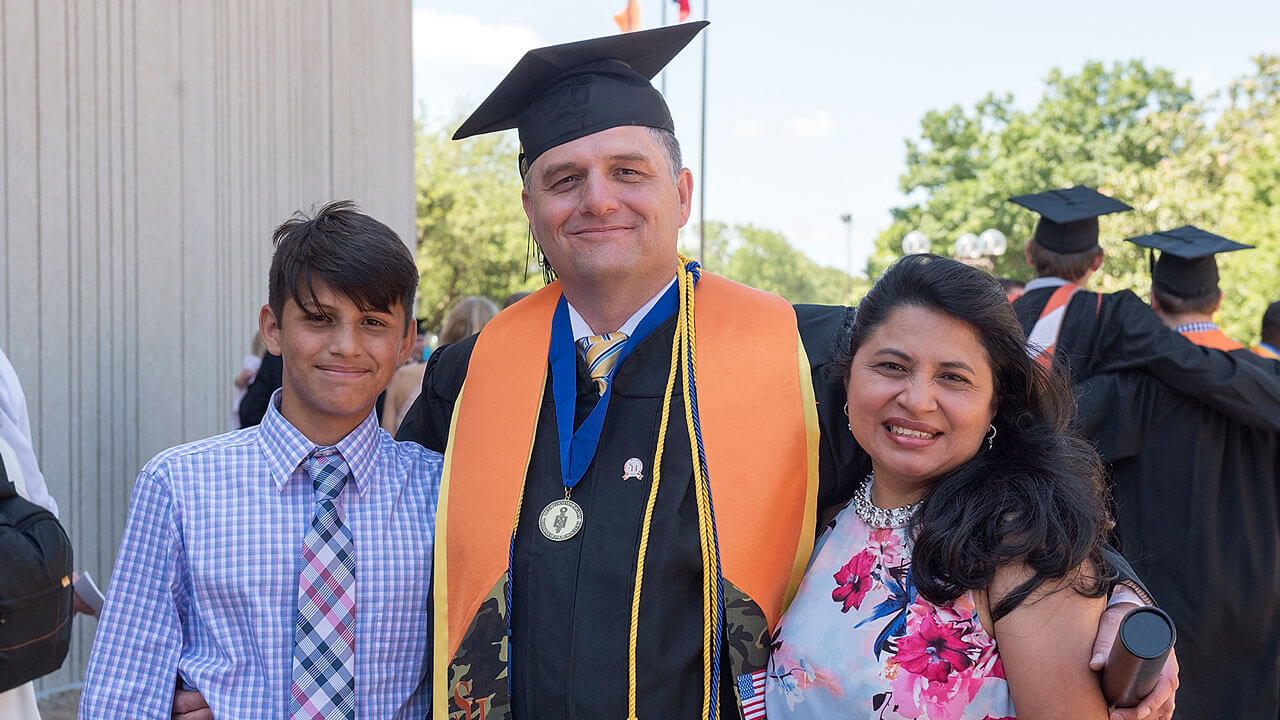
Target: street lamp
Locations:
point(993, 242)
point(915, 243)
point(976, 249)
point(847, 219)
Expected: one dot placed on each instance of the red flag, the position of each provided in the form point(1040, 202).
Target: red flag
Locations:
point(629, 19)
point(684, 9)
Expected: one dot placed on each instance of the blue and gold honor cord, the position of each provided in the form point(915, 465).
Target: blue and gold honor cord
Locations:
point(683, 352)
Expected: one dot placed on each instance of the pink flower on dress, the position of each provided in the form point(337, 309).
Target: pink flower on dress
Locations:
point(934, 651)
point(854, 580)
point(886, 540)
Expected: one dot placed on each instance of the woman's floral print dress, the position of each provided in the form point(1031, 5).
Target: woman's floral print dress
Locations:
point(859, 642)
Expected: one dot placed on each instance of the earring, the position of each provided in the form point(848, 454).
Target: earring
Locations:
point(846, 414)
point(991, 437)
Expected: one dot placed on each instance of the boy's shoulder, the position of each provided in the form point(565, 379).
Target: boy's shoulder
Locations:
point(408, 453)
point(225, 447)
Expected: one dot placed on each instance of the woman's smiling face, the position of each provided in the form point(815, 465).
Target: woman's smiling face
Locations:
point(921, 398)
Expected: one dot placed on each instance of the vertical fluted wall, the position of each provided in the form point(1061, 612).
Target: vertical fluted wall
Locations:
point(149, 147)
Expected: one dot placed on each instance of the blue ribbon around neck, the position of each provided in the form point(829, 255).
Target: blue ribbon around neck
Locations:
point(577, 449)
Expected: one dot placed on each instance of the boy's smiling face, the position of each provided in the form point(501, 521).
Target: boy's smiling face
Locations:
point(337, 359)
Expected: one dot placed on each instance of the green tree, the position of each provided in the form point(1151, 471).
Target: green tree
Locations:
point(1087, 129)
point(1133, 132)
point(1245, 157)
point(1224, 178)
point(764, 259)
point(472, 233)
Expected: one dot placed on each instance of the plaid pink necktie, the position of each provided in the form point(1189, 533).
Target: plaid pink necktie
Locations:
point(324, 685)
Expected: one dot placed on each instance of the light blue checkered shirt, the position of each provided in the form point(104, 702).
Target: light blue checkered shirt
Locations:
point(206, 580)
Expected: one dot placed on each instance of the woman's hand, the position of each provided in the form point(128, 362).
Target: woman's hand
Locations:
point(1159, 704)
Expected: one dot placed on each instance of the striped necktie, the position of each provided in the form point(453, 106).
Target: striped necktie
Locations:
point(601, 353)
point(324, 685)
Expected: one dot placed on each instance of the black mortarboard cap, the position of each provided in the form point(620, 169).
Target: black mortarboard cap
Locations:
point(563, 92)
point(1186, 267)
point(1069, 217)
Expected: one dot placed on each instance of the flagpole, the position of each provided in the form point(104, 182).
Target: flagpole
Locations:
point(702, 145)
point(663, 5)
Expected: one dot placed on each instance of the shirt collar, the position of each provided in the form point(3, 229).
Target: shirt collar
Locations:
point(285, 447)
point(582, 330)
point(1196, 327)
point(1045, 282)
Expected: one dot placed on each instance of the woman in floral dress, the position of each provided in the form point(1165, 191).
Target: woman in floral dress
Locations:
point(978, 594)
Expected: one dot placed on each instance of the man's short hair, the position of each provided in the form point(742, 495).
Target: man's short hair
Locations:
point(350, 252)
point(1068, 266)
point(1203, 303)
point(1271, 325)
point(671, 146)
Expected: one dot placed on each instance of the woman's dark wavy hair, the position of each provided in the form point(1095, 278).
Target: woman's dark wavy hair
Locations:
point(1036, 497)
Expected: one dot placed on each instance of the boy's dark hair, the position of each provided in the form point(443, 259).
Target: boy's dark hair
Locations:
point(351, 252)
point(1271, 325)
point(1068, 266)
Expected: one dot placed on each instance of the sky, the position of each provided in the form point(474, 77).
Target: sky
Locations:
point(809, 104)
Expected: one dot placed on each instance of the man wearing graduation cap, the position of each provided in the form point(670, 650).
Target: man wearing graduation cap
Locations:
point(1197, 496)
point(1093, 332)
point(578, 543)
point(1184, 282)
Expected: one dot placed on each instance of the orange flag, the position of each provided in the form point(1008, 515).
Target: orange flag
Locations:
point(629, 19)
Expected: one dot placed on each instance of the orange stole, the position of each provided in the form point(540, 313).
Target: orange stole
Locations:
point(1213, 339)
point(759, 426)
point(1265, 351)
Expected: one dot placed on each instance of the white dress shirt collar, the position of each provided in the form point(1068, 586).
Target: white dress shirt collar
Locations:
point(581, 329)
point(1045, 282)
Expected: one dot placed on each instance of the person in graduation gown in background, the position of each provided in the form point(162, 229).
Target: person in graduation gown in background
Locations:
point(1269, 346)
point(1198, 500)
point(576, 577)
point(1184, 283)
point(1092, 332)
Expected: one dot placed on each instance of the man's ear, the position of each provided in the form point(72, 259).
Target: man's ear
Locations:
point(269, 327)
point(684, 187)
point(406, 344)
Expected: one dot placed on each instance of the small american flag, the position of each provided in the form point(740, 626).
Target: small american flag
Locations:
point(751, 690)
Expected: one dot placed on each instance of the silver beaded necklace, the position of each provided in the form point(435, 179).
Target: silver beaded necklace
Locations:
point(878, 517)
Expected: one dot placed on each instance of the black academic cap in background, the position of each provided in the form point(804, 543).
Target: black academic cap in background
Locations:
point(1186, 267)
point(1069, 217)
point(563, 92)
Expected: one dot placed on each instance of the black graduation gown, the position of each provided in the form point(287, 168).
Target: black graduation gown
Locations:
point(571, 600)
point(1117, 331)
point(1199, 515)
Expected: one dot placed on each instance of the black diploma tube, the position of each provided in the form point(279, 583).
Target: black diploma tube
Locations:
point(1142, 644)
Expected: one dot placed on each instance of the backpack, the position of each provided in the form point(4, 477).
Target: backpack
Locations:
point(35, 588)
